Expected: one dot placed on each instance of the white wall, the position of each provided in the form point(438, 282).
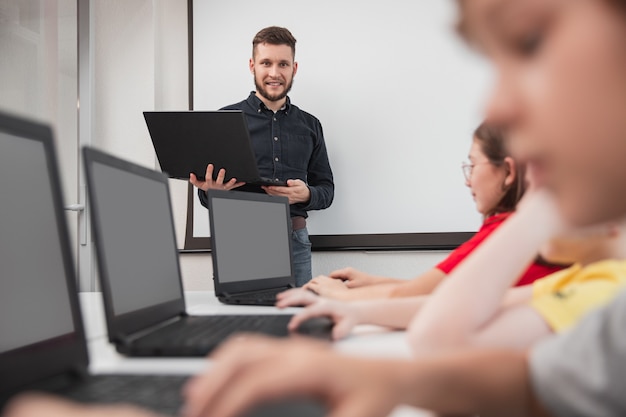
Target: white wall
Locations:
point(141, 64)
point(125, 82)
point(396, 90)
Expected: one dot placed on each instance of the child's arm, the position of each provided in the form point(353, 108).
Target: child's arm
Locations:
point(471, 297)
point(396, 313)
point(422, 285)
point(516, 296)
point(385, 288)
point(389, 313)
point(353, 278)
point(336, 289)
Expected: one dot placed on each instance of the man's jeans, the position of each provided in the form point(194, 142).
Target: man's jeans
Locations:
point(301, 250)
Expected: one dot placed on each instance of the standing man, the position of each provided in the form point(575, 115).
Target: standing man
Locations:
point(288, 142)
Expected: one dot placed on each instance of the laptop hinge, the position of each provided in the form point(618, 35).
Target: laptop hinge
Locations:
point(228, 295)
point(127, 340)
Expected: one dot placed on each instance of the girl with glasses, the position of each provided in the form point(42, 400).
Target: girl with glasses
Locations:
point(497, 183)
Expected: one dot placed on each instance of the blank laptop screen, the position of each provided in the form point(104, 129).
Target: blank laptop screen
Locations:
point(34, 303)
point(251, 239)
point(135, 223)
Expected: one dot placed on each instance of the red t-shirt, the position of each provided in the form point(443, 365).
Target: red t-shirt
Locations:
point(535, 271)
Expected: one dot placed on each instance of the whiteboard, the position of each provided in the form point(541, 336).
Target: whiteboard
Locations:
point(396, 90)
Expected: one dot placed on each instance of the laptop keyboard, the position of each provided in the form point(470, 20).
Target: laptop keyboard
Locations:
point(161, 393)
point(198, 335)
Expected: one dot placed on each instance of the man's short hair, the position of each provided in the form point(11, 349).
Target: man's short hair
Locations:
point(274, 35)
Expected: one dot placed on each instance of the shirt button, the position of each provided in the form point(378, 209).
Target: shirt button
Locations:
point(276, 179)
point(275, 119)
point(275, 138)
point(258, 110)
point(276, 159)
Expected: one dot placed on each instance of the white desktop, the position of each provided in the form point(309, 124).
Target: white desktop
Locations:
point(366, 341)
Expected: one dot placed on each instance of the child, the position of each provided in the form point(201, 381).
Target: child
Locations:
point(487, 312)
point(497, 183)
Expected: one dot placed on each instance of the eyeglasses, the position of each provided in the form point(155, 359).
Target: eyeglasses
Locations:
point(469, 168)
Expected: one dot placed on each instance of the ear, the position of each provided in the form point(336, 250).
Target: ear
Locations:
point(511, 171)
point(295, 68)
point(251, 65)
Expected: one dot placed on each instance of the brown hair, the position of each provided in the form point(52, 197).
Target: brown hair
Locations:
point(492, 143)
point(274, 35)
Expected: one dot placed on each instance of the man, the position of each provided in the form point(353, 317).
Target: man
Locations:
point(288, 142)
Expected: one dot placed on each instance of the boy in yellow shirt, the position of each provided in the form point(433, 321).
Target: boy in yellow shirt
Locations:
point(565, 296)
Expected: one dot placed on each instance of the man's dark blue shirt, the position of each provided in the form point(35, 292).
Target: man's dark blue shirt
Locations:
point(288, 144)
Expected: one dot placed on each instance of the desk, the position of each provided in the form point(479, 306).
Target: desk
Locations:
point(367, 341)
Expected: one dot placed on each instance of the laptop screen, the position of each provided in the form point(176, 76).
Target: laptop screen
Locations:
point(186, 141)
point(34, 301)
point(250, 236)
point(40, 322)
point(134, 221)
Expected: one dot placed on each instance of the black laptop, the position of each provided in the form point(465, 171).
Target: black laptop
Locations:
point(139, 268)
point(187, 141)
point(43, 346)
point(251, 246)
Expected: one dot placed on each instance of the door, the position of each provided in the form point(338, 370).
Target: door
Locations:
point(39, 80)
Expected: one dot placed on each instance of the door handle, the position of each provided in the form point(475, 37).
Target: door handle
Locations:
point(75, 207)
point(80, 209)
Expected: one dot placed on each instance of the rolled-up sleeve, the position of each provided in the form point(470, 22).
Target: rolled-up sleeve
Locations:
point(582, 372)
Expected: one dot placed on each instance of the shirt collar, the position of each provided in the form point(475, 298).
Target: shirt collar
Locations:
point(256, 103)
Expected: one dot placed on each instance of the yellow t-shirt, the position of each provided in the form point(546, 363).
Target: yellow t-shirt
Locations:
point(564, 297)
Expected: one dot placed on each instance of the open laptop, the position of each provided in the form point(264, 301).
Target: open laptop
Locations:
point(43, 346)
point(139, 268)
point(187, 141)
point(251, 246)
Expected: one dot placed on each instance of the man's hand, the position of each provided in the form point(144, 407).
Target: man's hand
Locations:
point(296, 191)
point(218, 184)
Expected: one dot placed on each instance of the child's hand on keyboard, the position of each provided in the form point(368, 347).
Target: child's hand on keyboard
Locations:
point(296, 297)
point(344, 315)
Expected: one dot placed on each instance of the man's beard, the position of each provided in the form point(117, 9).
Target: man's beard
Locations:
point(260, 88)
